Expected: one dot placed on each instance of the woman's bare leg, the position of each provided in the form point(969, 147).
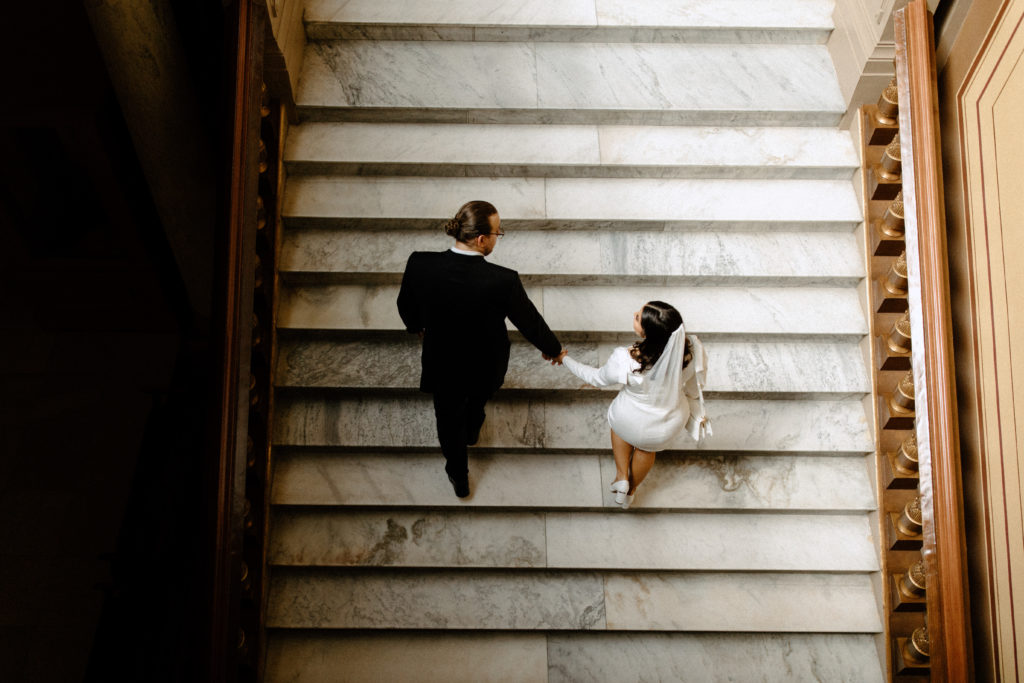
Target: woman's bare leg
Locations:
point(623, 453)
point(643, 461)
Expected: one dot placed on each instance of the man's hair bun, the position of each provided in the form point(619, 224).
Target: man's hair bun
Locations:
point(452, 227)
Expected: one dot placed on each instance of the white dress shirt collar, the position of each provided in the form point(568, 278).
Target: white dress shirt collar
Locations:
point(466, 252)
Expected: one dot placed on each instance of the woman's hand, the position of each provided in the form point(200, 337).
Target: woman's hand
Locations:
point(556, 360)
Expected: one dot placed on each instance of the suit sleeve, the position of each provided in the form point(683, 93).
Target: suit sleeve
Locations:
point(528, 320)
point(408, 308)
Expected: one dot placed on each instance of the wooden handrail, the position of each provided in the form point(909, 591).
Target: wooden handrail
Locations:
point(235, 304)
point(944, 547)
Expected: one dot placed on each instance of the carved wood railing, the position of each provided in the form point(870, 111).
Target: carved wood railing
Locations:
point(237, 645)
point(921, 520)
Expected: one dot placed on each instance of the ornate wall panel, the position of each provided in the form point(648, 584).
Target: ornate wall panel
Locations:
point(991, 102)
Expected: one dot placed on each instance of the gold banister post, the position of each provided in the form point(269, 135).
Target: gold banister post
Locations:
point(932, 352)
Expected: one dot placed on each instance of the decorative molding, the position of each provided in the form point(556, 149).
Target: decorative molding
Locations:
point(932, 352)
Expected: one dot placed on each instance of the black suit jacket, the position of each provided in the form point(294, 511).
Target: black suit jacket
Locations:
point(460, 303)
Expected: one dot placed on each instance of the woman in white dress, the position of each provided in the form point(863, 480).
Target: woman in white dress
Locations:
point(651, 409)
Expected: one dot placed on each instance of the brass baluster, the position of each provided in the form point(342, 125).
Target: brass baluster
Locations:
point(891, 166)
point(895, 282)
point(888, 105)
point(909, 522)
point(906, 456)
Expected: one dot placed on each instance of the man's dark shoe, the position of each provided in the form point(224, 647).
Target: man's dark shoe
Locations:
point(461, 486)
point(473, 438)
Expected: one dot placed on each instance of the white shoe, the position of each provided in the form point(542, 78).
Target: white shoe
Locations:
point(619, 488)
point(627, 501)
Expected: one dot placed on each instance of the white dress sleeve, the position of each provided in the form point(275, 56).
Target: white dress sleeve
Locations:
point(615, 371)
point(690, 382)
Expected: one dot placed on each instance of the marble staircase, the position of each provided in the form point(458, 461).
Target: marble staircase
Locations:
point(636, 149)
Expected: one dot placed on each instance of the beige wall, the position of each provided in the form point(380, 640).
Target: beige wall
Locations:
point(285, 45)
point(981, 87)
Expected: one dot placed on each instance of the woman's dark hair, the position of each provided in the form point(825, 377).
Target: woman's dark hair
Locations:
point(658, 321)
point(471, 220)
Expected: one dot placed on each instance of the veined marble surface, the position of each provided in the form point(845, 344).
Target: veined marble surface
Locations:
point(459, 12)
point(557, 202)
point(773, 310)
point(710, 542)
point(537, 599)
point(713, 658)
point(822, 603)
point(815, 368)
point(573, 256)
point(582, 13)
point(569, 77)
point(508, 480)
point(304, 657)
point(436, 599)
point(407, 539)
point(642, 151)
point(579, 540)
point(774, 482)
point(794, 311)
point(516, 481)
point(571, 423)
point(805, 13)
point(403, 657)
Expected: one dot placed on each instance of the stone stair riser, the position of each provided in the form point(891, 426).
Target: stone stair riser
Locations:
point(740, 367)
point(798, 312)
point(659, 204)
point(578, 540)
point(570, 600)
point(476, 657)
point(539, 481)
point(572, 423)
point(569, 151)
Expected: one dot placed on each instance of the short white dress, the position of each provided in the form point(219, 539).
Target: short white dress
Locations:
point(651, 409)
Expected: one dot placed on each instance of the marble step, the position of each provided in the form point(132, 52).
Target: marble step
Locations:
point(547, 600)
point(736, 369)
point(542, 82)
point(404, 202)
point(480, 657)
point(384, 149)
point(568, 423)
point(590, 257)
point(799, 21)
point(795, 311)
point(694, 481)
point(572, 540)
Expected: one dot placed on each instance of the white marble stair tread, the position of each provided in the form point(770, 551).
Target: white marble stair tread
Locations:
point(791, 367)
point(766, 657)
point(571, 600)
point(409, 657)
point(608, 20)
point(395, 202)
point(576, 422)
point(523, 481)
point(795, 311)
point(541, 82)
point(572, 540)
point(596, 257)
point(468, 657)
point(569, 151)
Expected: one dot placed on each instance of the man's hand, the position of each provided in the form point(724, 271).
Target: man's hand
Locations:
point(555, 360)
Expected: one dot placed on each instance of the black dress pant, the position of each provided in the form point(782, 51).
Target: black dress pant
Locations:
point(460, 415)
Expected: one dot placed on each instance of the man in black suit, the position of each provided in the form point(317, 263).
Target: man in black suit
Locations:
point(458, 302)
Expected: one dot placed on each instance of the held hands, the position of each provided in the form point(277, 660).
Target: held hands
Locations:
point(556, 360)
